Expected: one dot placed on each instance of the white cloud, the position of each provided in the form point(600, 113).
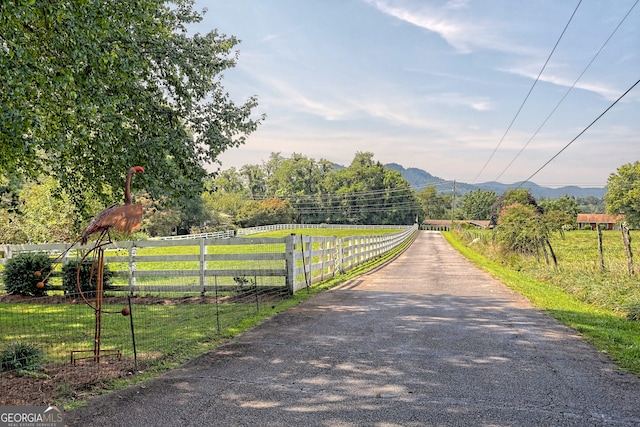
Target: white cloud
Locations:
point(453, 32)
point(465, 32)
point(556, 78)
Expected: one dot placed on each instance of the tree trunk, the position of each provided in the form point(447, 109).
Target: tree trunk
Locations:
point(626, 240)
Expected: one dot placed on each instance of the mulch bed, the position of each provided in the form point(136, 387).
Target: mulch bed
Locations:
point(66, 381)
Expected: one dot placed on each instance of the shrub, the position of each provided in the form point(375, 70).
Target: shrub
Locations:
point(21, 356)
point(23, 272)
point(87, 279)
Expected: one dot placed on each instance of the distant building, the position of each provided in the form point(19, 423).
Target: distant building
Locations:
point(608, 222)
point(445, 224)
point(479, 223)
point(436, 224)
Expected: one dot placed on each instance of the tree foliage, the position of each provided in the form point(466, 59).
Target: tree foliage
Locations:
point(477, 204)
point(623, 193)
point(561, 214)
point(510, 197)
point(367, 192)
point(565, 204)
point(434, 205)
point(91, 88)
point(522, 229)
point(269, 211)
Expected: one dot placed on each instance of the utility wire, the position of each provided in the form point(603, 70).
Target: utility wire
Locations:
point(567, 92)
point(580, 134)
point(528, 94)
point(352, 194)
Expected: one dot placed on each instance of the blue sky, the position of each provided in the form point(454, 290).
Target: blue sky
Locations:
point(435, 84)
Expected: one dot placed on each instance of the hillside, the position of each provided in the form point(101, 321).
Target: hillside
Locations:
point(420, 179)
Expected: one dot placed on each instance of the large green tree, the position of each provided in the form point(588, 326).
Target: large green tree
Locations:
point(513, 195)
point(302, 181)
point(477, 204)
point(623, 193)
point(367, 192)
point(434, 205)
point(565, 204)
point(90, 88)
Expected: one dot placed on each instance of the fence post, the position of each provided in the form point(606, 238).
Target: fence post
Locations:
point(324, 243)
point(132, 268)
point(203, 265)
point(307, 265)
point(339, 256)
point(290, 261)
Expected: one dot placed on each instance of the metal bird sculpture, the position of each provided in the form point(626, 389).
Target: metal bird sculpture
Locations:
point(124, 218)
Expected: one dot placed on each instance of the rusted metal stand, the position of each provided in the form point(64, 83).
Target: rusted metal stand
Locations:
point(97, 353)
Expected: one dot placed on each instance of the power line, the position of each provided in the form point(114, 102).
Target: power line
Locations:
point(528, 94)
point(568, 91)
point(580, 134)
point(314, 198)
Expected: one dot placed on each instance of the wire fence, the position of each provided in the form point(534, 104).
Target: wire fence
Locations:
point(162, 300)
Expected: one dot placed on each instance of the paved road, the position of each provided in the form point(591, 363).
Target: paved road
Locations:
point(427, 340)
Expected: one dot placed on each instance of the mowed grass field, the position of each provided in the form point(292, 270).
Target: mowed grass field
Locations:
point(600, 305)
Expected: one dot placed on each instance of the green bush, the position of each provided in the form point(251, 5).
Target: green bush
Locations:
point(23, 272)
point(21, 356)
point(69, 278)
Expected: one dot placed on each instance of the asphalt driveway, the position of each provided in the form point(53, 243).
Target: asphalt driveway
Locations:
point(428, 340)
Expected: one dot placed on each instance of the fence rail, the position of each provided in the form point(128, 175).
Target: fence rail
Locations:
point(294, 262)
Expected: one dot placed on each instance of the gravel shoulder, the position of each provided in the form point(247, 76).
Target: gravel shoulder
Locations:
point(428, 339)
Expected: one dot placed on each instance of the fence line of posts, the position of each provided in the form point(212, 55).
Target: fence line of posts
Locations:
point(292, 262)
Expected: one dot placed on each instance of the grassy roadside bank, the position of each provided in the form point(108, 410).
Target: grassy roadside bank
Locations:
point(607, 331)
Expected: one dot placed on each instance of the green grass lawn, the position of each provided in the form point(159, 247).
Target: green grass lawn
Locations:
point(159, 329)
point(338, 232)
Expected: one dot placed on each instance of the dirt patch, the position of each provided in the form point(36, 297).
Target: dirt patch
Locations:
point(69, 382)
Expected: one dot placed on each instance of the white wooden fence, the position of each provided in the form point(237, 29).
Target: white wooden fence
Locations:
point(292, 262)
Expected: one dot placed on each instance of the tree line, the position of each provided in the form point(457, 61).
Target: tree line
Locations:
point(295, 189)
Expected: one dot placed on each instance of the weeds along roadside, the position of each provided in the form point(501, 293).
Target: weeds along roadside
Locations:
point(600, 321)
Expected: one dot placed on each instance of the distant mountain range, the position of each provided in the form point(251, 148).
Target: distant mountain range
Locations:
point(420, 179)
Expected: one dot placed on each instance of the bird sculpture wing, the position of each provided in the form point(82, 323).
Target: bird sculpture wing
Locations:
point(123, 218)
